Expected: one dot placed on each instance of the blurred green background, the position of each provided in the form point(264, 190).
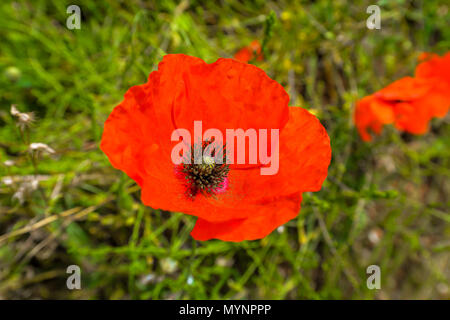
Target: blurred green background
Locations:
point(384, 203)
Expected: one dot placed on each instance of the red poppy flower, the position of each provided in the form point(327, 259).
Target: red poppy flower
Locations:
point(239, 203)
point(408, 103)
point(250, 52)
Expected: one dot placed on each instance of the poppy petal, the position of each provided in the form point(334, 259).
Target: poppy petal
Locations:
point(304, 157)
point(229, 94)
point(405, 89)
point(260, 223)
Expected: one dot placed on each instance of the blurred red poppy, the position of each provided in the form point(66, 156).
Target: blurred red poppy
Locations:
point(243, 204)
point(408, 103)
point(252, 51)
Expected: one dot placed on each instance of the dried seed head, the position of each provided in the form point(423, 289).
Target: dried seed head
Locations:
point(24, 119)
point(25, 190)
point(37, 146)
point(14, 111)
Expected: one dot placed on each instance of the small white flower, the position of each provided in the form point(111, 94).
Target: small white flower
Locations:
point(280, 229)
point(7, 181)
point(168, 265)
point(224, 262)
point(190, 280)
point(37, 146)
point(146, 279)
point(375, 235)
point(8, 163)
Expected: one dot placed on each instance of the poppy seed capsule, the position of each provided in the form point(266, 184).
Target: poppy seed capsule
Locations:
point(208, 161)
point(206, 177)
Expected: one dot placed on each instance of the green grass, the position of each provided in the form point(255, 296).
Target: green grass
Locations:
point(89, 214)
